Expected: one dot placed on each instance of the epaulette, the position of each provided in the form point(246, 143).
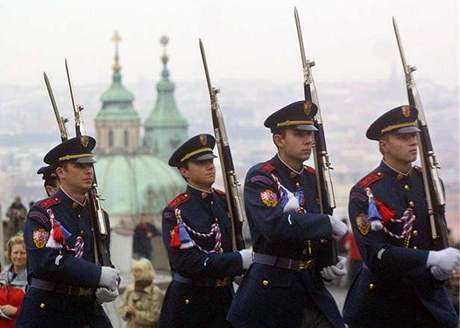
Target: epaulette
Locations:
point(267, 167)
point(180, 199)
point(219, 192)
point(370, 179)
point(309, 169)
point(48, 202)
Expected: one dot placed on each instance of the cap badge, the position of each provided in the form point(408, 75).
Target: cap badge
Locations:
point(307, 107)
point(406, 111)
point(203, 139)
point(84, 140)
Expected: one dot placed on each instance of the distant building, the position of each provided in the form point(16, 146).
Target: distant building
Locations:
point(134, 177)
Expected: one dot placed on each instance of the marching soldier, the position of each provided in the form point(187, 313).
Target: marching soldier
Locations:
point(401, 281)
point(197, 234)
point(66, 287)
point(50, 180)
point(285, 285)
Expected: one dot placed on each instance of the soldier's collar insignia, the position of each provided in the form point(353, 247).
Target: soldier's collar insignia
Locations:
point(84, 140)
point(40, 237)
point(269, 198)
point(406, 111)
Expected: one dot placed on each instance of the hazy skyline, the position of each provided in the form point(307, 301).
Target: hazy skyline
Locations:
point(349, 40)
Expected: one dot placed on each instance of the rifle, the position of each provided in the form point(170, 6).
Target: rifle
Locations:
point(101, 233)
point(321, 160)
point(434, 191)
point(236, 211)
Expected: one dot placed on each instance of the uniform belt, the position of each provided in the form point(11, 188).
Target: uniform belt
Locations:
point(282, 262)
point(202, 282)
point(61, 289)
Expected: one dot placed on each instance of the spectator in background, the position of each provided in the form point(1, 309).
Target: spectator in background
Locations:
point(144, 232)
point(13, 280)
point(354, 257)
point(17, 214)
point(142, 301)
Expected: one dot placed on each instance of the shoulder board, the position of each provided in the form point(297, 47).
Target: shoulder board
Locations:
point(370, 179)
point(180, 199)
point(219, 192)
point(309, 169)
point(267, 167)
point(48, 202)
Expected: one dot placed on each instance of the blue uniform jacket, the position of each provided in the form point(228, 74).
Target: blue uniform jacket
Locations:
point(190, 304)
point(394, 276)
point(60, 266)
point(275, 297)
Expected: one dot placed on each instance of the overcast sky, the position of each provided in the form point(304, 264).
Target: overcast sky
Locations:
point(244, 39)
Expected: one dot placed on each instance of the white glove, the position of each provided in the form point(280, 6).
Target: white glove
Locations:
point(292, 204)
point(339, 229)
point(104, 295)
point(440, 274)
point(447, 259)
point(246, 258)
point(334, 272)
point(109, 277)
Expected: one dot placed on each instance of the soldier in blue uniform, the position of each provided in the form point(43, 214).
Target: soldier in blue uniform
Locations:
point(50, 180)
point(197, 235)
point(401, 281)
point(65, 286)
point(285, 285)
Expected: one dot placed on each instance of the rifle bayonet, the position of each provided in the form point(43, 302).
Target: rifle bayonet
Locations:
point(60, 120)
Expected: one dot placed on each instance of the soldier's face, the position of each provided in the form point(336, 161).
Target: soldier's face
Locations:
point(400, 147)
point(296, 144)
point(18, 255)
point(200, 173)
point(76, 176)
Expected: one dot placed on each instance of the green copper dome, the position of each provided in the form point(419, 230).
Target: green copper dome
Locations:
point(131, 185)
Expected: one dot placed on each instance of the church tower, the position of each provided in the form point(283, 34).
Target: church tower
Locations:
point(117, 123)
point(165, 128)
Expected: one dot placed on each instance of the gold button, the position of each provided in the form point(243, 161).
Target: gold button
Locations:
point(415, 247)
point(187, 301)
point(297, 184)
point(406, 187)
point(411, 204)
point(216, 220)
point(42, 305)
point(265, 283)
point(371, 286)
point(212, 202)
point(415, 233)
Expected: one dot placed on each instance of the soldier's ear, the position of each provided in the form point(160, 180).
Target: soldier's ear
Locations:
point(278, 140)
point(184, 171)
point(60, 171)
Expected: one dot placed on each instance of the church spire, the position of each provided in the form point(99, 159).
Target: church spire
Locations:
point(116, 66)
point(165, 127)
point(117, 123)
